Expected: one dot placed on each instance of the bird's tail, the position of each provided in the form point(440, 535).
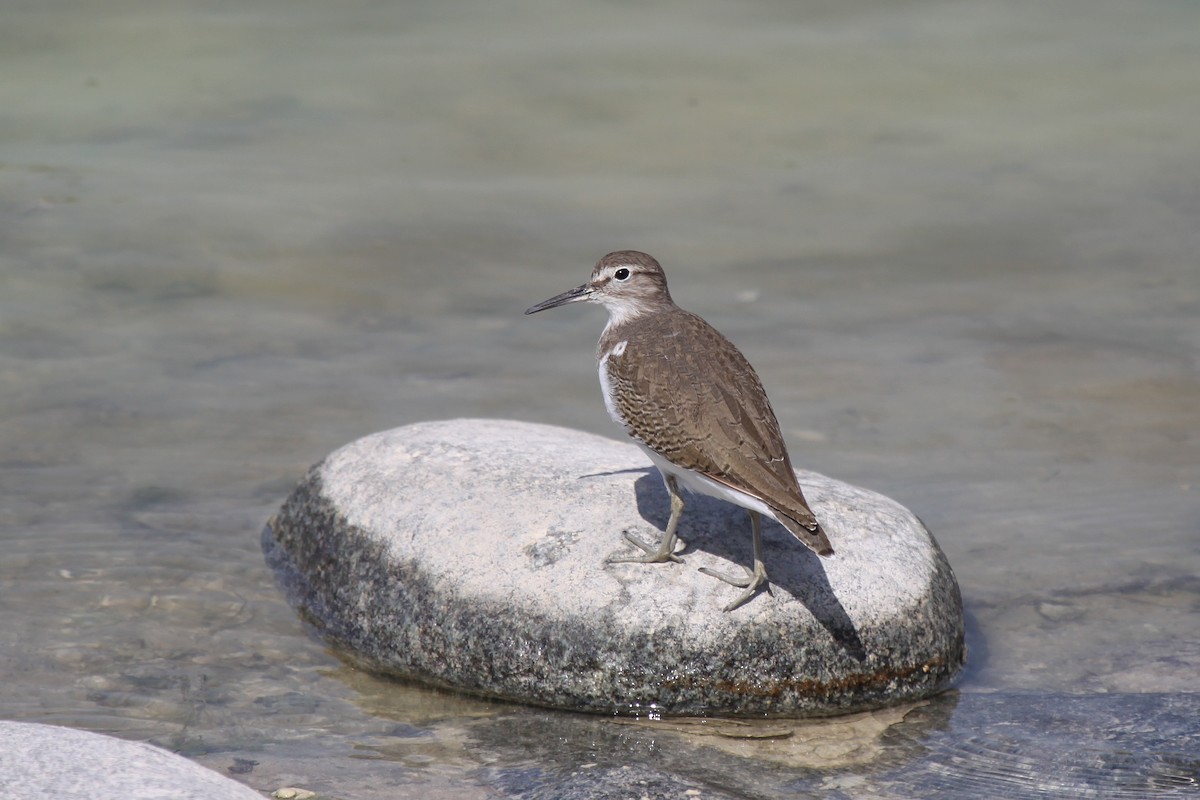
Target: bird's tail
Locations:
point(807, 530)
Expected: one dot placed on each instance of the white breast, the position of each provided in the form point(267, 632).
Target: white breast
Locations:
point(606, 387)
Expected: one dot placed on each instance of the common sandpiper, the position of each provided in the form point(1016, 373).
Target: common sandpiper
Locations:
point(689, 398)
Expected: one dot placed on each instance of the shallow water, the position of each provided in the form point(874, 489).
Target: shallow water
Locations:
point(958, 243)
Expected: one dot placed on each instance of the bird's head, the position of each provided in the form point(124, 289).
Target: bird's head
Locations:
point(627, 283)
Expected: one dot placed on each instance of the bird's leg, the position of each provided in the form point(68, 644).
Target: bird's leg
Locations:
point(665, 551)
point(754, 578)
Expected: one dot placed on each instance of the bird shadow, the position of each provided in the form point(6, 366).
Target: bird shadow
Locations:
point(722, 529)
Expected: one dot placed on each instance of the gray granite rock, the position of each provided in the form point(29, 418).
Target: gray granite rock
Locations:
point(48, 762)
point(471, 554)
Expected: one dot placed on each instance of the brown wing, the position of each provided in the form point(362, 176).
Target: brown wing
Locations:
point(709, 413)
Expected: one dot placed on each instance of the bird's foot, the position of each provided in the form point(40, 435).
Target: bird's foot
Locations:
point(751, 582)
point(654, 554)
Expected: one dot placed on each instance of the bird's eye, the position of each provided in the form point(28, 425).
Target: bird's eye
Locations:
point(621, 274)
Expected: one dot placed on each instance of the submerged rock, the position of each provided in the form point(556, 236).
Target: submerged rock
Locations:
point(471, 554)
point(48, 762)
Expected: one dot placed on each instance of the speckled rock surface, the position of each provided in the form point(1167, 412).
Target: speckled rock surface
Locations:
point(48, 762)
point(471, 554)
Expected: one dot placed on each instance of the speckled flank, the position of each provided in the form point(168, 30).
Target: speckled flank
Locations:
point(470, 554)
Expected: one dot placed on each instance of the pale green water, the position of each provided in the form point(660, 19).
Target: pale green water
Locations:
point(959, 243)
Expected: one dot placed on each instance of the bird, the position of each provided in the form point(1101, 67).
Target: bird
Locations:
point(688, 397)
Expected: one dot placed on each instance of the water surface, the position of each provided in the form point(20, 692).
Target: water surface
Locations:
point(957, 241)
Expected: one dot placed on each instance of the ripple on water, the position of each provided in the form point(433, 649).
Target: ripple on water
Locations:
point(1031, 745)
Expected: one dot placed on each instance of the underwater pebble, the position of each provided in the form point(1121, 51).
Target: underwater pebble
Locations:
point(292, 793)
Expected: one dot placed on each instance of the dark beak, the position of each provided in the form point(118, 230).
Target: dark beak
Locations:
point(569, 296)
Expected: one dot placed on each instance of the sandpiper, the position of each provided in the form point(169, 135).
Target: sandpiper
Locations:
point(688, 397)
